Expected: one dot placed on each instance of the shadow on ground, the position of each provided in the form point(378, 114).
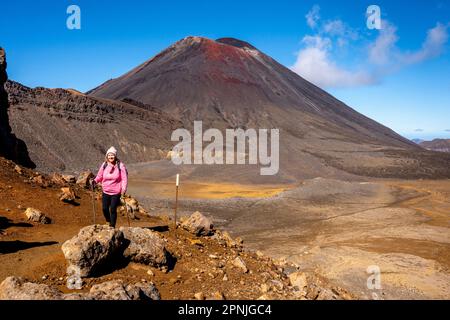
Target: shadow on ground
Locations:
point(17, 245)
point(6, 223)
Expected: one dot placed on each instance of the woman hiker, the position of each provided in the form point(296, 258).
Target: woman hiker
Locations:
point(113, 177)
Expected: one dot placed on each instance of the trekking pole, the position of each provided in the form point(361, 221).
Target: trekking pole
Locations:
point(93, 201)
point(128, 212)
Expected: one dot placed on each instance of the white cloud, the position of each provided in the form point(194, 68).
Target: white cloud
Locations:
point(314, 64)
point(315, 61)
point(339, 28)
point(313, 16)
point(432, 46)
point(382, 49)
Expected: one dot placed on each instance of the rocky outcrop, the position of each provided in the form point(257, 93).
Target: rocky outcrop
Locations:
point(198, 224)
point(145, 246)
point(10, 147)
point(92, 249)
point(15, 288)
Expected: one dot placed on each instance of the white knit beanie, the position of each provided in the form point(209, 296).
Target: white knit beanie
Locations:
point(112, 150)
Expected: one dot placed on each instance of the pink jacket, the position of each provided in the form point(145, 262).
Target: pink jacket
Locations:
point(115, 182)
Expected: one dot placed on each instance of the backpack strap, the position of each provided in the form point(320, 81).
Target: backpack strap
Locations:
point(105, 164)
point(118, 165)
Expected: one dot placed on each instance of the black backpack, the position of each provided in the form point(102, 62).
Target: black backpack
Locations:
point(105, 164)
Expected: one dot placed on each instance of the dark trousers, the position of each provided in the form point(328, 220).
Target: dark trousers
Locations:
point(110, 204)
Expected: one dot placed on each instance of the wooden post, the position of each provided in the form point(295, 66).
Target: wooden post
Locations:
point(176, 199)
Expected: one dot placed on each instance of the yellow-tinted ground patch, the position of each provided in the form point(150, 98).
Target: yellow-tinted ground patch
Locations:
point(197, 190)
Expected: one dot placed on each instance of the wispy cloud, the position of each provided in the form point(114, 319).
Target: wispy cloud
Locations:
point(385, 51)
point(432, 46)
point(381, 50)
point(317, 62)
point(313, 16)
point(418, 130)
point(339, 28)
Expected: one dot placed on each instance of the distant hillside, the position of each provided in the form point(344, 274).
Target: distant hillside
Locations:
point(67, 130)
point(441, 145)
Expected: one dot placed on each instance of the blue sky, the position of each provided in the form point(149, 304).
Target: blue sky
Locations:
point(398, 75)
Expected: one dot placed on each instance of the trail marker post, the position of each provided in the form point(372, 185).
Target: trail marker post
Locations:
point(177, 183)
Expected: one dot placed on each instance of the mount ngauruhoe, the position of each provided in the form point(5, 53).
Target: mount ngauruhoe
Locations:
point(226, 83)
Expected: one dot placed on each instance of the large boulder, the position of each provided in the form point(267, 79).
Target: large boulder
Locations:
point(84, 178)
point(36, 216)
point(198, 224)
point(15, 288)
point(117, 290)
point(145, 246)
point(92, 249)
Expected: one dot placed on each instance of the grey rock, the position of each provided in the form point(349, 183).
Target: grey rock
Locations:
point(148, 291)
point(15, 288)
point(92, 248)
point(298, 280)
point(145, 246)
point(111, 290)
point(37, 216)
point(67, 195)
point(117, 290)
point(198, 224)
point(239, 263)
